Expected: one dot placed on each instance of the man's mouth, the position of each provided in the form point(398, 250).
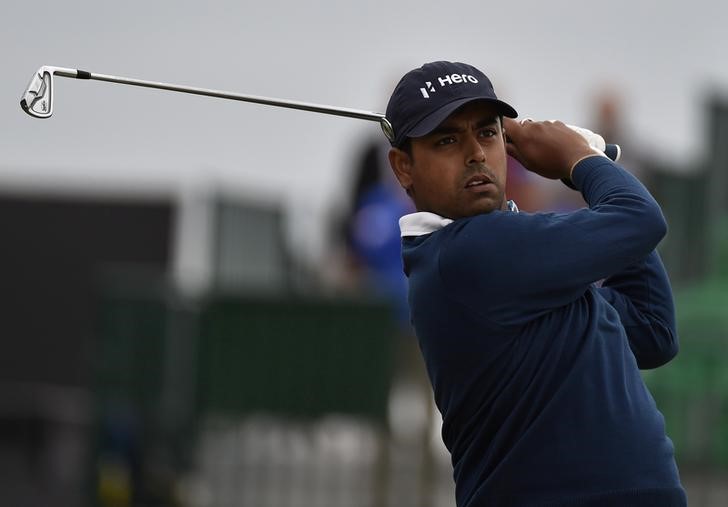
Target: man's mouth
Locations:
point(476, 181)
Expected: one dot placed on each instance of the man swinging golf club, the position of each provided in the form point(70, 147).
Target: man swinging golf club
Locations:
point(534, 365)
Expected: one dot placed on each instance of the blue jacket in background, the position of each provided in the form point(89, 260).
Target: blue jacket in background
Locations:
point(535, 368)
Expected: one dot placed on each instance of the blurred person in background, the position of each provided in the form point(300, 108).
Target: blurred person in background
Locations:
point(369, 234)
point(609, 120)
point(369, 230)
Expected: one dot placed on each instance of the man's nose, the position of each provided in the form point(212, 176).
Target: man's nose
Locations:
point(475, 152)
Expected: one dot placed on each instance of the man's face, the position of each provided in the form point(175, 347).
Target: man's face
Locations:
point(459, 169)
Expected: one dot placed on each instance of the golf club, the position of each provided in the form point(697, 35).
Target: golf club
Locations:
point(38, 99)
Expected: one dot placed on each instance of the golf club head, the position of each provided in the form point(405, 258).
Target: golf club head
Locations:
point(37, 100)
point(387, 128)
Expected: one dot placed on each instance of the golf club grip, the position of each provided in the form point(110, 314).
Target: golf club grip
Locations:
point(613, 151)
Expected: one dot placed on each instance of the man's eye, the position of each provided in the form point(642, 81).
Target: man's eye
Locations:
point(488, 132)
point(445, 140)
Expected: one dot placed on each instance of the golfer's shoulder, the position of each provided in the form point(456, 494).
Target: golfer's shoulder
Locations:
point(487, 227)
point(479, 237)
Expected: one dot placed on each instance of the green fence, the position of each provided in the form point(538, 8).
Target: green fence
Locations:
point(296, 358)
point(692, 390)
point(164, 365)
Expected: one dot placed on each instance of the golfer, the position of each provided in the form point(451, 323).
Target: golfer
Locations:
point(533, 327)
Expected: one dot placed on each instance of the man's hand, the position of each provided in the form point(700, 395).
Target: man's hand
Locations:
point(548, 148)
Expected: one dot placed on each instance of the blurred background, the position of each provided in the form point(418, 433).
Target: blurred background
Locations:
point(203, 303)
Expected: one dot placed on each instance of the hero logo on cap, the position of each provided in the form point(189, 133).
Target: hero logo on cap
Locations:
point(446, 81)
point(429, 87)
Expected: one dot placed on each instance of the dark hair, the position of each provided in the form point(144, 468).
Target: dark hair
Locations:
point(406, 146)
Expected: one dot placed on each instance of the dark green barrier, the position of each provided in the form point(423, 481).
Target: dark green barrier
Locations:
point(163, 365)
point(692, 390)
point(295, 357)
point(144, 391)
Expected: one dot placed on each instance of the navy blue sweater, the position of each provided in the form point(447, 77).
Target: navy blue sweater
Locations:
point(535, 368)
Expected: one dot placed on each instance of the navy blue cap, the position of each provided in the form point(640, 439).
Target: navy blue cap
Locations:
point(426, 96)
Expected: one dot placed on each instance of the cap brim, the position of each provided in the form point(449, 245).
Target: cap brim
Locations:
point(434, 119)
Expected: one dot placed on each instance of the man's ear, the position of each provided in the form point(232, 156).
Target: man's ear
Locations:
point(401, 164)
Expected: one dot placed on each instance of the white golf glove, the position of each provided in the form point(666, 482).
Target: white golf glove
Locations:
point(596, 142)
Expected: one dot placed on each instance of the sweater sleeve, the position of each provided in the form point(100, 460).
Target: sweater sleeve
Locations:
point(513, 267)
point(642, 296)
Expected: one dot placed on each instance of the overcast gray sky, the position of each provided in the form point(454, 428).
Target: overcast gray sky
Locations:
point(547, 58)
